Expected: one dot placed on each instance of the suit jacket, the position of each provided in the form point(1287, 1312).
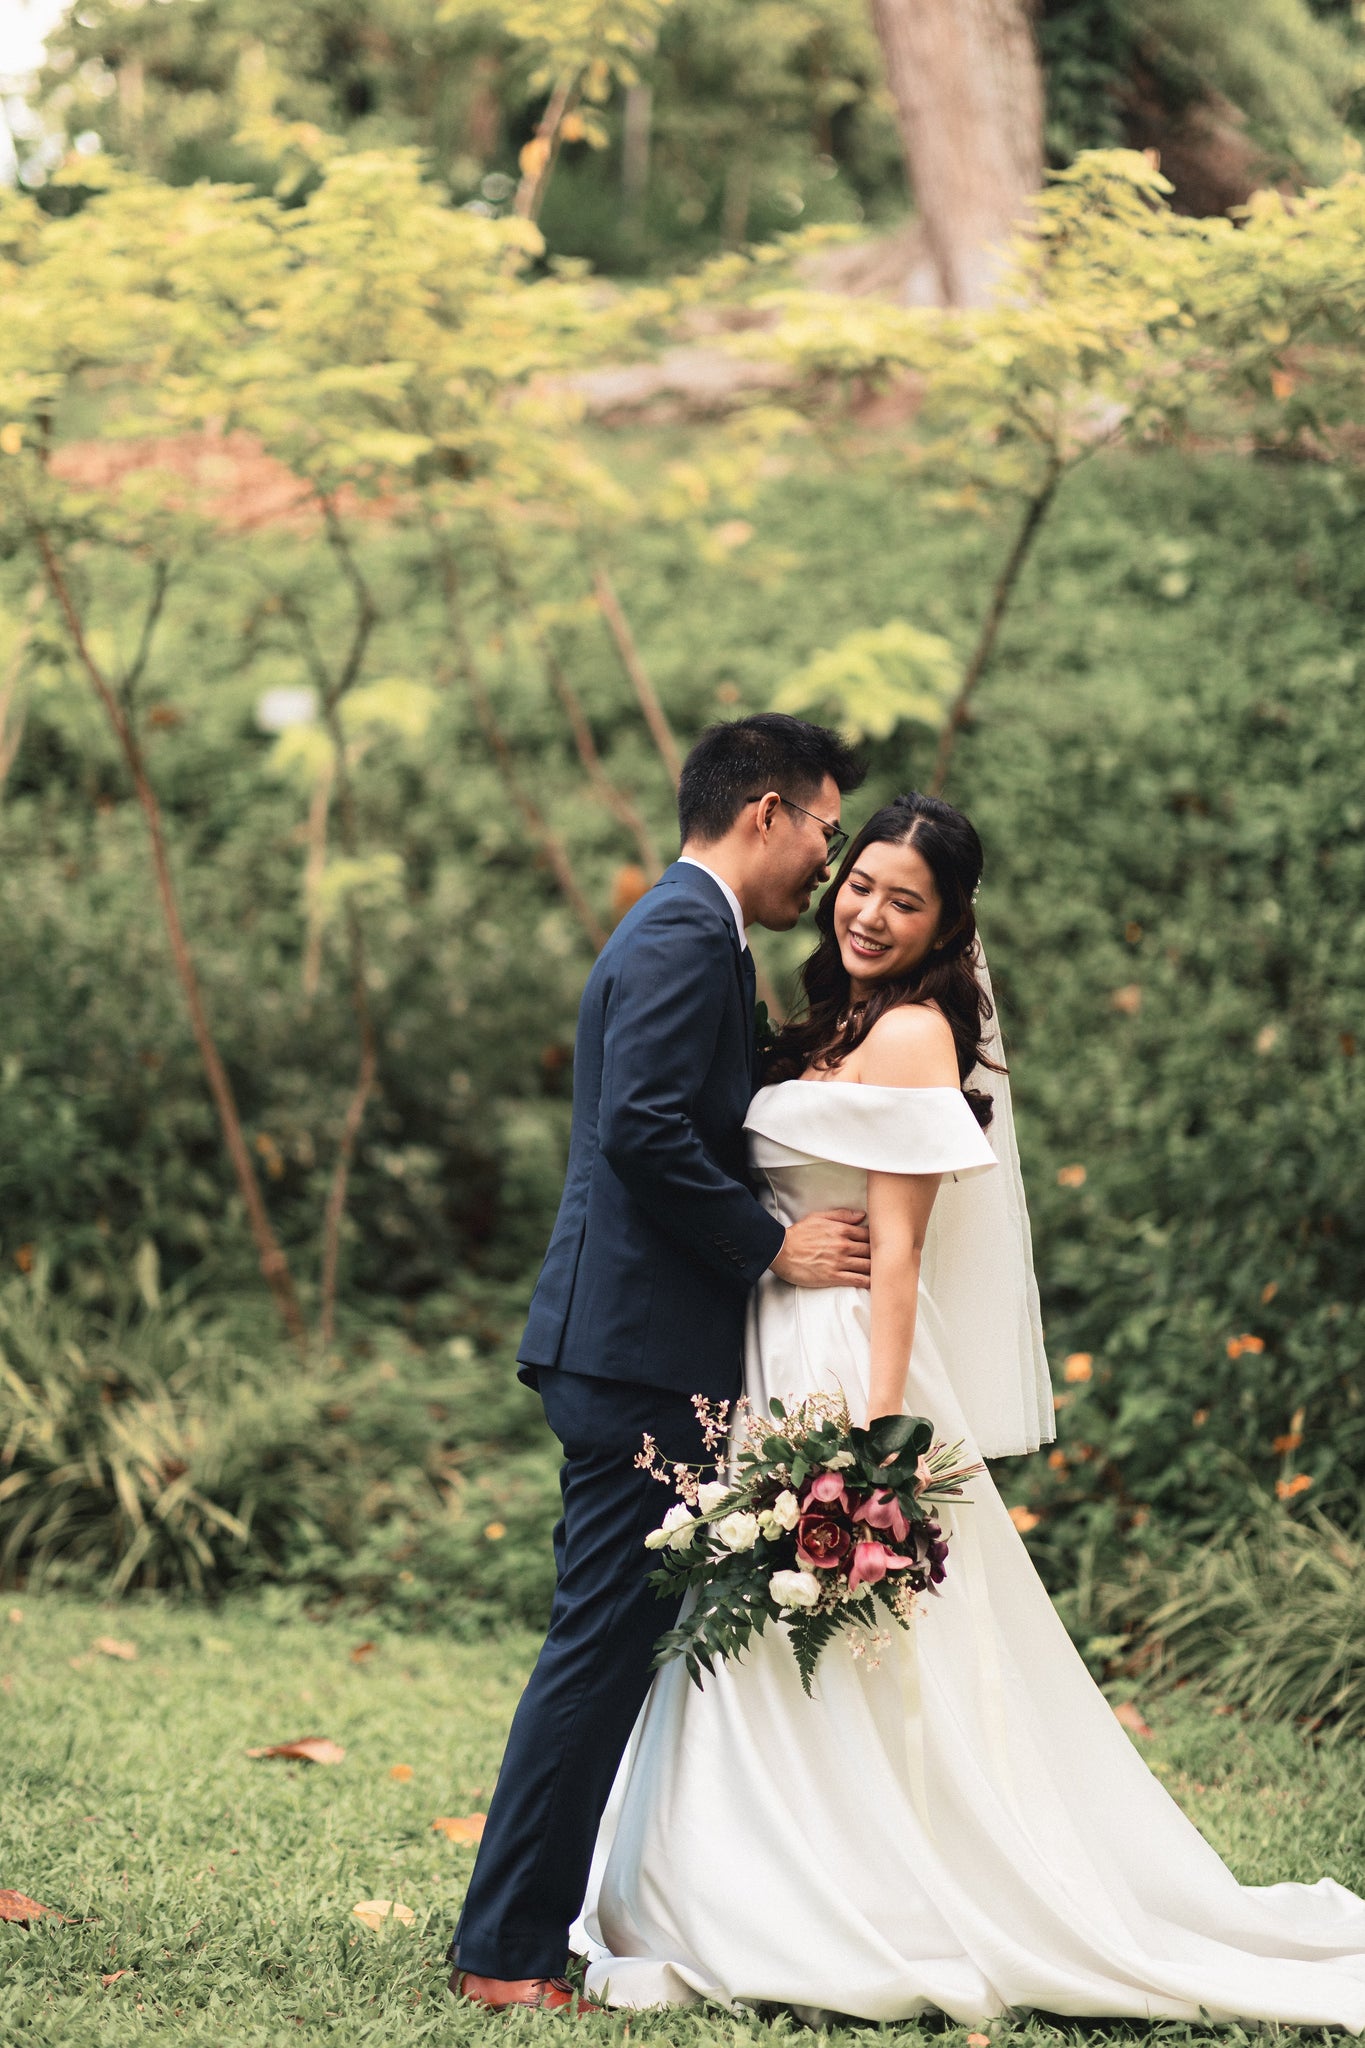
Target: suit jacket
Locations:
point(658, 1238)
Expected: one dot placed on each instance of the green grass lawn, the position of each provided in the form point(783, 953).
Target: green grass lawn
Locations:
point(223, 1888)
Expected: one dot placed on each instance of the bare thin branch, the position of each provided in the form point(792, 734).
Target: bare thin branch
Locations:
point(274, 1266)
point(364, 620)
point(647, 697)
point(161, 583)
point(319, 807)
point(1035, 513)
point(11, 708)
point(552, 848)
point(535, 182)
point(608, 791)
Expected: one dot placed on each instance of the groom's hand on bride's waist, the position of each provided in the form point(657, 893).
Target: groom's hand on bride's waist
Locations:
point(829, 1248)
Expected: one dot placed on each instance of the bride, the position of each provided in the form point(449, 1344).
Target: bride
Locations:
point(956, 1821)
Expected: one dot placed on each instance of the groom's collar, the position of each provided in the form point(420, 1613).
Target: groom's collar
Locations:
point(689, 860)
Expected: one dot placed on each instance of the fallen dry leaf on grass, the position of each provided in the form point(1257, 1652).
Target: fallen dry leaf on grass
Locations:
point(16, 1615)
point(110, 1646)
point(362, 1652)
point(402, 1772)
point(467, 1827)
point(14, 1906)
point(374, 1912)
point(312, 1749)
point(978, 2041)
point(112, 1977)
point(1129, 1716)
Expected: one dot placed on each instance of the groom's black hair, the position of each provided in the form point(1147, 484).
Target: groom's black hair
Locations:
point(745, 757)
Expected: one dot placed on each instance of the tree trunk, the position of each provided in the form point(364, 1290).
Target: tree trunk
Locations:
point(969, 104)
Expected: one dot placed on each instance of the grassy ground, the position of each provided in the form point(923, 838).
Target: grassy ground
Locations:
point(223, 1888)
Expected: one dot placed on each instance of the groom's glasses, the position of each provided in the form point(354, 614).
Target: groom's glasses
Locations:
point(835, 839)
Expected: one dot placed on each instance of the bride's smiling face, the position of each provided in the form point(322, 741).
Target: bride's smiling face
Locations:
point(886, 915)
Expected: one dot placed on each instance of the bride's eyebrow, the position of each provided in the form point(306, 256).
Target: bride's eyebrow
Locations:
point(863, 876)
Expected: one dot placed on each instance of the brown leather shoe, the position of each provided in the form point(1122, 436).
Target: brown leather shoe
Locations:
point(541, 1994)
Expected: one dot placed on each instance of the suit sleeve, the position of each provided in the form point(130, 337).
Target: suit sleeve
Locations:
point(662, 1019)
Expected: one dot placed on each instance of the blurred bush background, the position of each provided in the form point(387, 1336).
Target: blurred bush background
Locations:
point(404, 605)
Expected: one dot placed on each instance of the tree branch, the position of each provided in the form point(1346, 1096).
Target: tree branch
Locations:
point(552, 848)
point(646, 696)
point(365, 620)
point(12, 730)
point(534, 183)
point(960, 709)
point(273, 1264)
point(161, 579)
point(609, 792)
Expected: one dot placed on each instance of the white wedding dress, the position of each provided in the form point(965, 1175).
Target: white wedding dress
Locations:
point(963, 1825)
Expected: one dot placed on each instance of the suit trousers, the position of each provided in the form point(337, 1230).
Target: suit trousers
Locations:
point(575, 1717)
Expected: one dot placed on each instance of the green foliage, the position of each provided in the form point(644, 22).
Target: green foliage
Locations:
point(149, 1449)
point(874, 680)
point(760, 115)
point(1291, 67)
point(1292, 74)
point(1270, 1619)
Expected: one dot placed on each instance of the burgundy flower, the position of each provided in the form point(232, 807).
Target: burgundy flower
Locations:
point(872, 1561)
point(822, 1542)
point(934, 1551)
point(884, 1511)
point(828, 1489)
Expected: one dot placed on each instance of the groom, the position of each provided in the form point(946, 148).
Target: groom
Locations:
point(640, 1303)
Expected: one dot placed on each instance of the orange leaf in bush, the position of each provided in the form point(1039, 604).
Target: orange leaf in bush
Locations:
point(110, 1646)
point(1024, 1519)
point(1286, 1489)
point(312, 1749)
point(1079, 1367)
point(1071, 1177)
point(1129, 1716)
point(402, 1772)
point(14, 1906)
point(467, 1827)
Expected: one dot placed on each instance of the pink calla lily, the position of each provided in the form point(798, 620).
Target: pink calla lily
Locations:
point(871, 1562)
point(884, 1511)
point(828, 1489)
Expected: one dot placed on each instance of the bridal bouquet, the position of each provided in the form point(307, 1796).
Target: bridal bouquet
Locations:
point(819, 1525)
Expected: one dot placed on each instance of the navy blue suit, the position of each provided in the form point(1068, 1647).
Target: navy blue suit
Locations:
point(639, 1306)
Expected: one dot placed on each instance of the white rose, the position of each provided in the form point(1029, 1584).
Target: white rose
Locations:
point(786, 1509)
point(794, 1589)
point(738, 1531)
point(674, 1532)
point(710, 1496)
point(840, 1462)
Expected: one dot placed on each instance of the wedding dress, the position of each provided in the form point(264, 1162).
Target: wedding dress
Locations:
point(955, 1821)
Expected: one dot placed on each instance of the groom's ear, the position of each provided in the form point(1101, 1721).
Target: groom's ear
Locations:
point(766, 810)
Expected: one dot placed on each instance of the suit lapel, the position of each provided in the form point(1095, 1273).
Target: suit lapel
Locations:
point(683, 875)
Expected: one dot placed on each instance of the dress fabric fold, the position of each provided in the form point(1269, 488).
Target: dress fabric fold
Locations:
point(956, 1822)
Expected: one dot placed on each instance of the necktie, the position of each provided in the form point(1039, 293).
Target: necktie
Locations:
point(746, 961)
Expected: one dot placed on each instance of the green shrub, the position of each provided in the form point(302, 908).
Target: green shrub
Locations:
point(1270, 1619)
point(148, 1450)
point(1166, 764)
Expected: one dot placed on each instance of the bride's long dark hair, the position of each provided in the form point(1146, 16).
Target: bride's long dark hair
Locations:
point(825, 1031)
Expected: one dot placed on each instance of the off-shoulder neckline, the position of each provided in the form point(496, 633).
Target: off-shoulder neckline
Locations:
point(862, 1087)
